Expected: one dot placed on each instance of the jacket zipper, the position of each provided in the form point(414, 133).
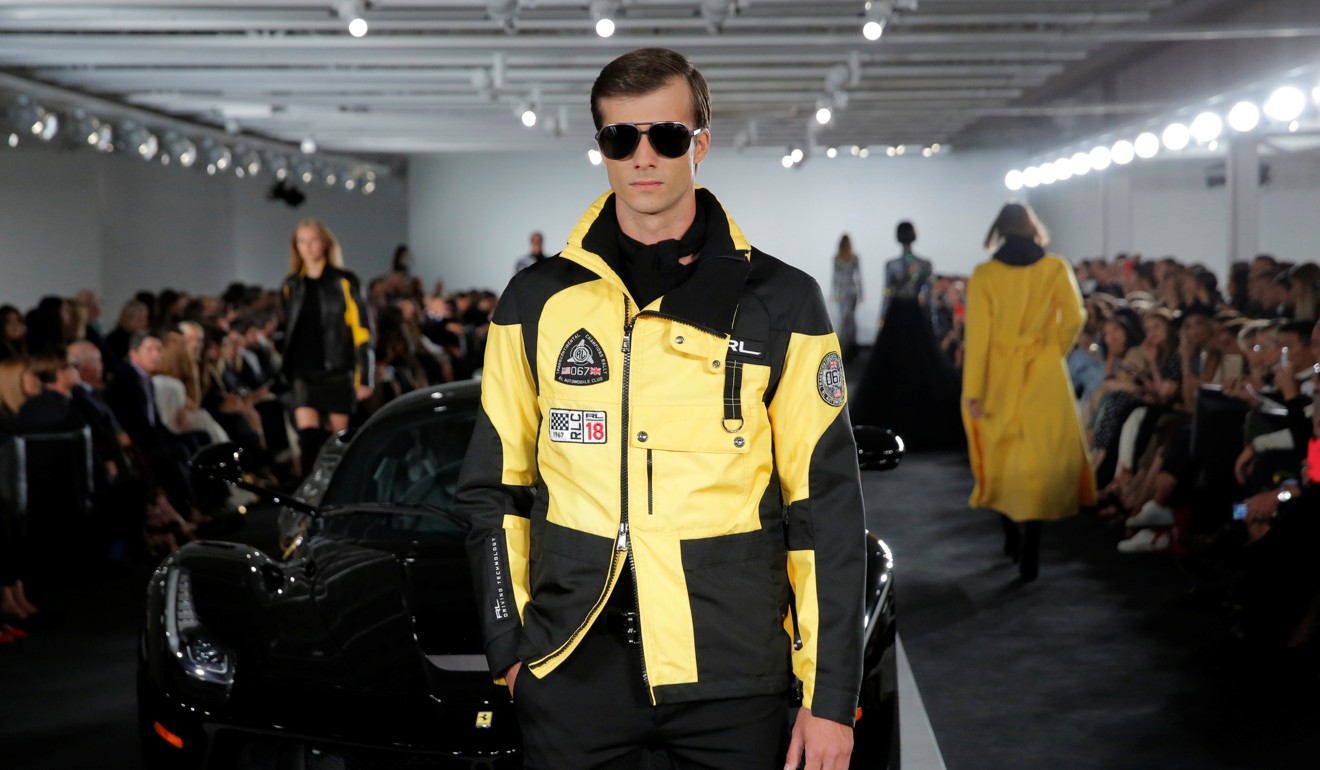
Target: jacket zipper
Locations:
point(650, 485)
point(628, 323)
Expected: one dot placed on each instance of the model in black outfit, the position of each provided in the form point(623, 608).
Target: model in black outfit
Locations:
point(909, 386)
point(329, 337)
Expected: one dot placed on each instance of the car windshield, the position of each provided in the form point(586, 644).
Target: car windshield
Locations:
point(411, 457)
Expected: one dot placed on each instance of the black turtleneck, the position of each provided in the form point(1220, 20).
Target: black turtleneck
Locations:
point(1019, 251)
point(652, 270)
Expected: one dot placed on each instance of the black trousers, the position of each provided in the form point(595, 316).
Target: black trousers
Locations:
point(593, 713)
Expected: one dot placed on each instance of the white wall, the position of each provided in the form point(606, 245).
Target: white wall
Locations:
point(72, 220)
point(1171, 211)
point(469, 215)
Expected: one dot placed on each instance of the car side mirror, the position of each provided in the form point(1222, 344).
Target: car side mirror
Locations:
point(878, 449)
point(220, 462)
point(224, 462)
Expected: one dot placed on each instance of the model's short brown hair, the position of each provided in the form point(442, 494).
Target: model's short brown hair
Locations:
point(646, 70)
point(1016, 219)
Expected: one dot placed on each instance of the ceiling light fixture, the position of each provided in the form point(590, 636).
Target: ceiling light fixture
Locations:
point(878, 13)
point(218, 157)
point(35, 119)
point(1100, 157)
point(1122, 152)
point(1244, 116)
point(182, 149)
point(715, 12)
point(1013, 180)
point(603, 12)
point(1286, 104)
point(1176, 137)
point(1081, 163)
point(140, 141)
point(505, 12)
point(526, 113)
point(308, 146)
point(1147, 145)
point(1207, 127)
point(352, 11)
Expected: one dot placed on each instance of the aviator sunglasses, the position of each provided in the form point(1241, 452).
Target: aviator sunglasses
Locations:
point(669, 138)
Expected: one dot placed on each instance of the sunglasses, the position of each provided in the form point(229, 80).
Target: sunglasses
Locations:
point(669, 138)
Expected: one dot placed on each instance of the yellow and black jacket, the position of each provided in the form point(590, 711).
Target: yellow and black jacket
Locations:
point(350, 337)
point(702, 442)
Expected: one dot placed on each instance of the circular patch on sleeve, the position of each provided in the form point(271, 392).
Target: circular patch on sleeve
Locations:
point(829, 379)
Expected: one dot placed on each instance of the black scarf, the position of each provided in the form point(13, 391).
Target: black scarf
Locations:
point(653, 270)
point(1019, 252)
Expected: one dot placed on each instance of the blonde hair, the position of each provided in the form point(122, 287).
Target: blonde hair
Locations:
point(177, 361)
point(334, 255)
point(11, 384)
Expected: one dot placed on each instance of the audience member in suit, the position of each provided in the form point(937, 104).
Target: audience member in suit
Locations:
point(124, 495)
point(52, 410)
point(132, 399)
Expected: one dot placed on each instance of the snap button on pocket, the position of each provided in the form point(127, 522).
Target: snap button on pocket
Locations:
point(641, 436)
point(715, 364)
point(678, 340)
point(739, 442)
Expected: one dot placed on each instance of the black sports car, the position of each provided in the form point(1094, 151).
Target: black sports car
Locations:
point(360, 647)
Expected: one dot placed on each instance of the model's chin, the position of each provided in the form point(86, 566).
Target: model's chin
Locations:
point(646, 202)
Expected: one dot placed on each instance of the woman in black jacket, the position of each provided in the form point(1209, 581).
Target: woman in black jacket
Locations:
point(329, 337)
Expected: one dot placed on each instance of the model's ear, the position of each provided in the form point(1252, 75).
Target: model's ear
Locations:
point(702, 143)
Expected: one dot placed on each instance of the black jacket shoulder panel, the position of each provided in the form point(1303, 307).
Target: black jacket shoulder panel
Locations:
point(793, 297)
point(525, 296)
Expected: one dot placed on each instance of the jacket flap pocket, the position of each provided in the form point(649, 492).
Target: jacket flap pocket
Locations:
point(687, 429)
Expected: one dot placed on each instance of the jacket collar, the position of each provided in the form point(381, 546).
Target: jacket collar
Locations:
point(707, 300)
point(1019, 252)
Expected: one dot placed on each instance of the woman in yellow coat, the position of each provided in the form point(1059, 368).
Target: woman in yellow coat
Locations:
point(1026, 446)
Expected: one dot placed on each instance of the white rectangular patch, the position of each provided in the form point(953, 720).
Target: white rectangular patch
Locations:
point(577, 426)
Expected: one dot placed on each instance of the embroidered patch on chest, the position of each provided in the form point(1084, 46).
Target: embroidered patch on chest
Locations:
point(829, 379)
point(577, 426)
point(582, 361)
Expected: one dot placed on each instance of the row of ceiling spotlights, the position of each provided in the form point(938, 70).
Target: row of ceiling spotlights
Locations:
point(33, 121)
point(1284, 106)
point(796, 155)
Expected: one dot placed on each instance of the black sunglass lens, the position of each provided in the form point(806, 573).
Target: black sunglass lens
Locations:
point(618, 141)
point(670, 139)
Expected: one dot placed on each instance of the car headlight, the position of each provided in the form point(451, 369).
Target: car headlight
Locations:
point(200, 654)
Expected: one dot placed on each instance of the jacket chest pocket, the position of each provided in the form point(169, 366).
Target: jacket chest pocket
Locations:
point(697, 475)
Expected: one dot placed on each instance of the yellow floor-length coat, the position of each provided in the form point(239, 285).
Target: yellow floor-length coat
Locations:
point(1027, 451)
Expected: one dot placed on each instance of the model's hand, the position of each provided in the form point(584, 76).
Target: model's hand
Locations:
point(511, 674)
point(827, 745)
point(974, 408)
point(363, 392)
